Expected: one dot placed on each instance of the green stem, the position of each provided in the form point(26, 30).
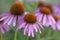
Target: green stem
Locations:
point(26, 38)
point(37, 36)
point(1, 36)
point(15, 35)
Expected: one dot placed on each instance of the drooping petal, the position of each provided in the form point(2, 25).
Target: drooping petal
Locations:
point(50, 22)
point(53, 26)
point(29, 30)
point(52, 19)
point(3, 18)
point(32, 31)
point(14, 21)
point(39, 17)
point(38, 27)
point(58, 26)
point(22, 25)
point(26, 29)
point(6, 21)
point(44, 20)
point(10, 20)
point(35, 27)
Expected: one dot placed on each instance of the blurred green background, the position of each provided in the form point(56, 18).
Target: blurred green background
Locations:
point(47, 34)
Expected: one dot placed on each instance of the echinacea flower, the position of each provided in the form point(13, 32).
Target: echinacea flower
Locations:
point(57, 24)
point(14, 15)
point(3, 28)
point(30, 24)
point(45, 16)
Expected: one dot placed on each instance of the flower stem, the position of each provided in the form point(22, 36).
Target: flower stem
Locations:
point(26, 38)
point(15, 35)
point(37, 36)
point(1, 36)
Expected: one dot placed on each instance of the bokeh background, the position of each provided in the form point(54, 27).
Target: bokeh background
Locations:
point(47, 34)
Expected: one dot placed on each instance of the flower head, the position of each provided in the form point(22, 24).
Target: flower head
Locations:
point(30, 18)
point(49, 6)
point(57, 24)
point(30, 24)
point(45, 10)
point(17, 8)
point(3, 28)
point(45, 16)
point(16, 12)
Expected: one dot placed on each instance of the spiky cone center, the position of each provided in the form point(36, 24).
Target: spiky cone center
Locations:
point(49, 6)
point(55, 17)
point(17, 8)
point(30, 18)
point(45, 10)
point(40, 4)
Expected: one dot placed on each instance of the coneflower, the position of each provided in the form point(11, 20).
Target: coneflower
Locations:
point(57, 24)
point(45, 16)
point(16, 12)
point(30, 24)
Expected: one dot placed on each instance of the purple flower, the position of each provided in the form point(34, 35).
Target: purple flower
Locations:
point(57, 24)
point(16, 14)
point(45, 16)
point(30, 24)
point(3, 27)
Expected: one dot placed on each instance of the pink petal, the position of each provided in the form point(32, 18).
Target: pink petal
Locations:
point(10, 20)
point(32, 31)
point(3, 18)
point(50, 22)
point(39, 18)
point(44, 20)
point(6, 21)
point(25, 29)
point(21, 25)
point(52, 19)
point(53, 26)
point(40, 25)
point(14, 21)
point(29, 30)
point(58, 26)
point(34, 26)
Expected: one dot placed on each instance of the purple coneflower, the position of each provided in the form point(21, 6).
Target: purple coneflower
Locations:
point(57, 24)
point(30, 24)
point(3, 28)
point(15, 14)
point(44, 16)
